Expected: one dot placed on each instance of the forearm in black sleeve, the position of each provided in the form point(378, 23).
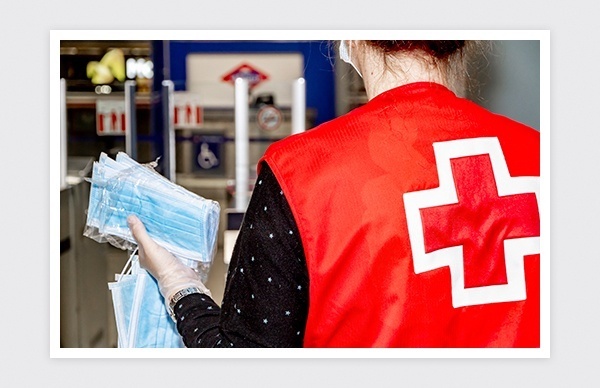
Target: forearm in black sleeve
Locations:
point(266, 295)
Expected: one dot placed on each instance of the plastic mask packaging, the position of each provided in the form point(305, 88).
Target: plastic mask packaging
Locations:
point(141, 317)
point(182, 222)
point(346, 56)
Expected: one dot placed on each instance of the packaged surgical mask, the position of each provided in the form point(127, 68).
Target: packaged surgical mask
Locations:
point(180, 221)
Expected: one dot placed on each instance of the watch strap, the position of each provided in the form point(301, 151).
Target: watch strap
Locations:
point(178, 296)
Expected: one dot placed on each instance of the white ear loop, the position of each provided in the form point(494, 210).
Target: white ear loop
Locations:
point(125, 270)
point(345, 55)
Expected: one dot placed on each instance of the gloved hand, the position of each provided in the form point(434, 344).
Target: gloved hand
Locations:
point(172, 275)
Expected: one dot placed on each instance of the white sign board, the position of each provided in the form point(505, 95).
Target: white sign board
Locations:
point(110, 117)
point(188, 110)
point(210, 76)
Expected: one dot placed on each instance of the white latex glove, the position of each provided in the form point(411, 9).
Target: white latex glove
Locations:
point(172, 275)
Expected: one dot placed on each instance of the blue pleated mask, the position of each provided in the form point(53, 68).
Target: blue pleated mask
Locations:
point(177, 219)
point(140, 312)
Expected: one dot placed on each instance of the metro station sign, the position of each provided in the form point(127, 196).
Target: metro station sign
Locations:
point(246, 71)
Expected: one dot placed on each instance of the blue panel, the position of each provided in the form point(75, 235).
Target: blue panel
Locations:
point(318, 66)
point(156, 112)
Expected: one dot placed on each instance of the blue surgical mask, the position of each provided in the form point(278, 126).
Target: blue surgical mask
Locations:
point(182, 222)
point(140, 312)
point(346, 56)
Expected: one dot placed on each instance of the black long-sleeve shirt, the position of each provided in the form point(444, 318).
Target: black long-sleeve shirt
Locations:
point(265, 303)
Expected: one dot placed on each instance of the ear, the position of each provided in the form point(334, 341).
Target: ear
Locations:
point(357, 49)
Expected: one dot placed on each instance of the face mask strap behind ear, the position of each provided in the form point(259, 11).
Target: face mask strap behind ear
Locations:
point(345, 55)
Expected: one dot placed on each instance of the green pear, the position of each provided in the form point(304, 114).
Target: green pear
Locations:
point(115, 61)
point(102, 75)
point(90, 69)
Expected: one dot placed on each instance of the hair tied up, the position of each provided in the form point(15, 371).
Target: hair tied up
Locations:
point(439, 49)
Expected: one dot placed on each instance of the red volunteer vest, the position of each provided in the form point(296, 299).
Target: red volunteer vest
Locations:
point(418, 213)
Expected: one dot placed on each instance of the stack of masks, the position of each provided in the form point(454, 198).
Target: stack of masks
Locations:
point(180, 221)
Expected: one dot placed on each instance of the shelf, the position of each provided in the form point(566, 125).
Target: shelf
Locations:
point(88, 99)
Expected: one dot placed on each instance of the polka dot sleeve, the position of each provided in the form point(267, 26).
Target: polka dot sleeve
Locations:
point(266, 295)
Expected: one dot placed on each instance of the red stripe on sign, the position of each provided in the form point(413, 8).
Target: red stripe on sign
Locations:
point(199, 115)
point(100, 123)
point(123, 122)
point(176, 115)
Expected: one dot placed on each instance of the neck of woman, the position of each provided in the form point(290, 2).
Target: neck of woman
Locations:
point(382, 73)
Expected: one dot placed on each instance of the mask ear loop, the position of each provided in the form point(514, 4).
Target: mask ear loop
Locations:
point(129, 265)
point(346, 55)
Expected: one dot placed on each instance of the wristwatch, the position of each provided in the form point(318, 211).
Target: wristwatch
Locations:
point(178, 296)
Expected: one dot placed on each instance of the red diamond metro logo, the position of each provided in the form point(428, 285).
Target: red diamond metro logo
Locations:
point(245, 71)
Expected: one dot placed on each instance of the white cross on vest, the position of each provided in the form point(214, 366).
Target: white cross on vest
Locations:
point(456, 224)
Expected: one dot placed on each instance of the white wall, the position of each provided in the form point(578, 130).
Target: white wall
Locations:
point(509, 81)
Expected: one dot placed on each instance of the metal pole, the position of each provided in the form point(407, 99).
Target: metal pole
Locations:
point(130, 120)
point(168, 129)
point(63, 133)
point(242, 144)
point(299, 106)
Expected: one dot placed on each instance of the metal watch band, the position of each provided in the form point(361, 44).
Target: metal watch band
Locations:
point(178, 296)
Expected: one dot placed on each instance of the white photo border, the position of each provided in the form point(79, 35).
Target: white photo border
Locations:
point(543, 36)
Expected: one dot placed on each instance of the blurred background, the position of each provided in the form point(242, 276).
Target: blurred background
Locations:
point(176, 100)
